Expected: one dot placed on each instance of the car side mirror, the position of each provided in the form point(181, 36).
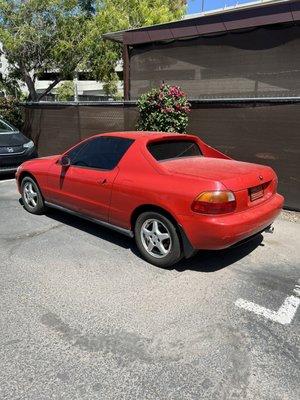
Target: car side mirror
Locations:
point(65, 161)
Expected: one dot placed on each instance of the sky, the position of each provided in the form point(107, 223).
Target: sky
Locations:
point(194, 6)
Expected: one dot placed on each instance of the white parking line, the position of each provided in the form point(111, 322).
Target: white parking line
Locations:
point(283, 316)
point(7, 180)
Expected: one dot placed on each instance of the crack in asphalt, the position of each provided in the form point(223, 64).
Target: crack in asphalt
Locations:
point(16, 240)
point(30, 235)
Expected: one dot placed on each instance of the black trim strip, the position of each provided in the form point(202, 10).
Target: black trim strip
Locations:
point(124, 231)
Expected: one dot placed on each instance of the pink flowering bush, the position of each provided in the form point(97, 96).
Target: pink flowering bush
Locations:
point(165, 109)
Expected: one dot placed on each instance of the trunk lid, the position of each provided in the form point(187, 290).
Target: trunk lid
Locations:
point(235, 175)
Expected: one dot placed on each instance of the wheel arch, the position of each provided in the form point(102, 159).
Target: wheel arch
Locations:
point(187, 248)
point(23, 175)
point(147, 208)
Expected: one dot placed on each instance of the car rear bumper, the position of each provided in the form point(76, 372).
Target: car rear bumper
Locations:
point(219, 232)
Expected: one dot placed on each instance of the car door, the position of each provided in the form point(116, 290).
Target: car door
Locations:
point(85, 186)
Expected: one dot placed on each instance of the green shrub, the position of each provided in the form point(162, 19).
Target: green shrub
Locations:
point(11, 111)
point(164, 109)
point(66, 91)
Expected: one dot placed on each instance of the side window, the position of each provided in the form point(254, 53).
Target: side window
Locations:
point(102, 152)
point(75, 152)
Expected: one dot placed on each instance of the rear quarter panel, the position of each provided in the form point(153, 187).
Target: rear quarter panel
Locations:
point(140, 182)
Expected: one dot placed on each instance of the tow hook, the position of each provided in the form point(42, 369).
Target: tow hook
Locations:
point(270, 229)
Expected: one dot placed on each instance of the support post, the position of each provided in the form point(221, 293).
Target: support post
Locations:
point(126, 72)
point(75, 81)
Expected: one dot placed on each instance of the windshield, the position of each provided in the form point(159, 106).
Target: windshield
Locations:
point(164, 150)
point(6, 128)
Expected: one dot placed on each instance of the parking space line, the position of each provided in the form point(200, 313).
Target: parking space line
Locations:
point(283, 316)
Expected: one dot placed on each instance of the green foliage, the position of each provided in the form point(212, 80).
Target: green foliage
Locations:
point(65, 92)
point(10, 97)
point(39, 36)
point(42, 35)
point(11, 111)
point(110, 87)
point(113, 15)
point(165, 110)
point(124, 14)
point(87, 6)
point(9, 86)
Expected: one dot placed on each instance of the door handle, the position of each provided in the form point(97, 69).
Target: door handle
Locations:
point(103, 181)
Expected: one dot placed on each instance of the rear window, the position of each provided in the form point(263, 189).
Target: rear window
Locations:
point(174, 149)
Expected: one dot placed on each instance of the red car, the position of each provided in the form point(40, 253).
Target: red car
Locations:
point(173, 193)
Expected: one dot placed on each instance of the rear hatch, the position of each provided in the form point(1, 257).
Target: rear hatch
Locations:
point(251, 183)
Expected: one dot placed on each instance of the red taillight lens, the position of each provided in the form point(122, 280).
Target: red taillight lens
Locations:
point(217, 202)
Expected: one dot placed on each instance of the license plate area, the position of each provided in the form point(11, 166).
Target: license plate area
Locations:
point(256, 192)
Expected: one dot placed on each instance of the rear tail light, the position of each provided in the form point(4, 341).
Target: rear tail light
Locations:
point(217, 202)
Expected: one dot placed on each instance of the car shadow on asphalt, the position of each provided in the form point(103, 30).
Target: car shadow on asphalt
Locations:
point(203, 261)
point(4, 177)
point(212, 261)
point(91, 228)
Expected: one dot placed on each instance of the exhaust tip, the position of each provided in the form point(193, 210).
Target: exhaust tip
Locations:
point(270, 229)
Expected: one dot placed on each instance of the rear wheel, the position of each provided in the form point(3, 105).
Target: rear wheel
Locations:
point(32, 199)
point(157, 239)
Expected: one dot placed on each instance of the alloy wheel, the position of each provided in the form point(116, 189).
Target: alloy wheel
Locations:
point(30, 195)
point(156, 238)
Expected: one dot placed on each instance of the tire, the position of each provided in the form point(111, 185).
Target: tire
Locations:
point(157, 239)
point(31, 195)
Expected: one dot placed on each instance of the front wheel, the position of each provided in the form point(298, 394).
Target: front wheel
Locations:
point(157, 239)
point(32, 198)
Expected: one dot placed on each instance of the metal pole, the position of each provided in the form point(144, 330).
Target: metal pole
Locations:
point(126, 72)
point(203, 4)
point(76, 86)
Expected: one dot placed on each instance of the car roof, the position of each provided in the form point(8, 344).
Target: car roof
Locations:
point(146, 136)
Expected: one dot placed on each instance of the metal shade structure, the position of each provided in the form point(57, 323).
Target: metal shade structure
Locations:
point(226, 20)
point(241, 70)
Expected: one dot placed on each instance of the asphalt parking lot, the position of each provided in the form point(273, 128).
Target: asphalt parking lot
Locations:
point(83, 317)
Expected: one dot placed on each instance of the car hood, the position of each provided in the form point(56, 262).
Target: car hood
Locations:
point(12, 139)
point(235, 175)
point(36, 162)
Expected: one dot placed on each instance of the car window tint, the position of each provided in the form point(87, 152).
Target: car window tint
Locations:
point(102, 152)
point(72, 154)
point(4, 127)
point(174, 149)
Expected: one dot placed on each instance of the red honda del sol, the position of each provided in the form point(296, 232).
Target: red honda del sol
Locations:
point(173, 193)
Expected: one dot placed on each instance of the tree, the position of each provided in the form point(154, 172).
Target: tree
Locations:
point(9, 86)
point(10, 97)
point(114, 15)
point(65, 36)
point(110, 88)
point(42, 35)
point(65, 92)
point(87, 6)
